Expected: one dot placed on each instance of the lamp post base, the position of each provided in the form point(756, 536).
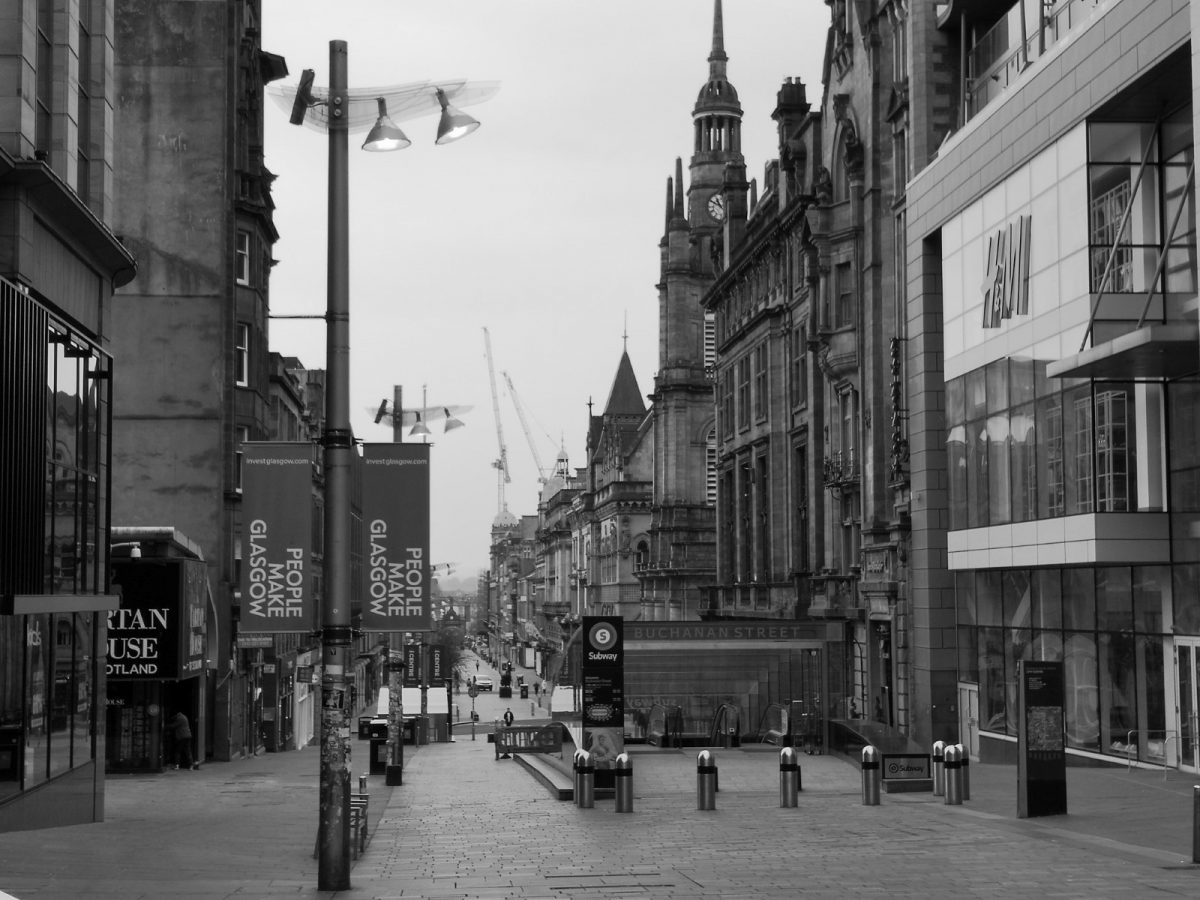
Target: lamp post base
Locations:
point(393, 775)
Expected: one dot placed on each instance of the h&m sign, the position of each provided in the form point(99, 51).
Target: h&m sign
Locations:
point(1006, 283)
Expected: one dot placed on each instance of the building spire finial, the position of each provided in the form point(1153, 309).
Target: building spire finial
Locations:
point(680, 209)
point(717, 59)
point(670, 204)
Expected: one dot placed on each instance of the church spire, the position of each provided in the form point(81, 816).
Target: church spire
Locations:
point(717, 59)
point(718, 113)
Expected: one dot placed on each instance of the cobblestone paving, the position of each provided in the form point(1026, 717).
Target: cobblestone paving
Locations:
point(465, 825)
point(481, 833)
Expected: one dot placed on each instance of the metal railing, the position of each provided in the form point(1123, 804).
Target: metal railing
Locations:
point(1133, 754)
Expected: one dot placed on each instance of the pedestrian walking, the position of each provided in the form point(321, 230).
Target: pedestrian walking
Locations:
point(181, 731)
point(508, 718)
point(537, 689)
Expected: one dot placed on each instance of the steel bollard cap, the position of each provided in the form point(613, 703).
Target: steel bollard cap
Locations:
point(705, 758)
point(787, 756)
point(623, 762)
point(870, 754)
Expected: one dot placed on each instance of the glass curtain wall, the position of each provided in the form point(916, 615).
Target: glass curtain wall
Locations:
point(1105, 624)
point(54, 459)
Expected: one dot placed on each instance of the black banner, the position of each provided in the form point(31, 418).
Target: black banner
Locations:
point(438, 661)
point(395, 511)
point(412, 665)
point(277, 504)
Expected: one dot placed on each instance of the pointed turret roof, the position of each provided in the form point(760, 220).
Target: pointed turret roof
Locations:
point(625, 399)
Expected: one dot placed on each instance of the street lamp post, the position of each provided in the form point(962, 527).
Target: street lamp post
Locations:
point(333, 871)
point(341, 116)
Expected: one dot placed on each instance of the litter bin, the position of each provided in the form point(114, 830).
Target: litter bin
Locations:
point(524, 692)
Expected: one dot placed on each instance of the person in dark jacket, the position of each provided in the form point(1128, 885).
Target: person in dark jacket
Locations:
point(181, 731)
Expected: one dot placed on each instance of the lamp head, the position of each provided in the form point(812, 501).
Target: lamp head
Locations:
point(384, 135)
point(451, 422)
point(419, 428)
point(454, 124)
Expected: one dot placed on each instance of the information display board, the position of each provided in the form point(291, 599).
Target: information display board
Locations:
point(1041, 741)
point(603, 689)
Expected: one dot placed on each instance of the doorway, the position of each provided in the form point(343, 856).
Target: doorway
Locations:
point(968, 718)
point(1187, 668)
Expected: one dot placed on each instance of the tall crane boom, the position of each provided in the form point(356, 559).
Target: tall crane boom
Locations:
point(537, 458)
point(501, 464)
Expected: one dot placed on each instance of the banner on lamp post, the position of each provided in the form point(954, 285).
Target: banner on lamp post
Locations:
point(277, 511)
point(437, 665)
point(395, 511)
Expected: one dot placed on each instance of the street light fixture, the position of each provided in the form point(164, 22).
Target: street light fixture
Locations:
point(385, 135)
point(339, 111)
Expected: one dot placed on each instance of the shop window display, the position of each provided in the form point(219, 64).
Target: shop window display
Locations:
point(1103, 623)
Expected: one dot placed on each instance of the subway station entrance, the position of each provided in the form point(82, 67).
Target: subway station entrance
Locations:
point(724, 683)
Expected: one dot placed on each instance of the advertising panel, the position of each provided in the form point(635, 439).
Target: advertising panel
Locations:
point(277, 513)
point(158, 632)
point(603, 689)
point(395, 510)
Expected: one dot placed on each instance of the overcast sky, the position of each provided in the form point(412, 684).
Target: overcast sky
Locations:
point(543, 226)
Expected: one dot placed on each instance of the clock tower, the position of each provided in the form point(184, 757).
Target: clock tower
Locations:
point(717, 127)
point(682, 553)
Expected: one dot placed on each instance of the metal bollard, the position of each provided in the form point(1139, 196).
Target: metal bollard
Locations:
point(706, 780)
point(966, 772)
point(575, 787)
point(362, 784)
point(789, 777)
point(1196, 823)
point(872, 775)
point(623, 782)
point(953, 764)
point(587, 781)
point(939, 771)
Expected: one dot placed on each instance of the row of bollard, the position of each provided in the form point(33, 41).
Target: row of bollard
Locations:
point(950, 774)
point(584, 780)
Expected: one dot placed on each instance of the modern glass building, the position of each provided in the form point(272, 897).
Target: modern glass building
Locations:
point(60, 262)
point(1053, 328)
point(54, 521)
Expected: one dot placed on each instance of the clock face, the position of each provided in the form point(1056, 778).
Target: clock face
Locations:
point(716, 207)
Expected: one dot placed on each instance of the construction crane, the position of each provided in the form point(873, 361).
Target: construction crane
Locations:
point(501, 464)
point(537, 458)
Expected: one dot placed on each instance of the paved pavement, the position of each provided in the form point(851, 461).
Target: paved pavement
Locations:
point(465, 825)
